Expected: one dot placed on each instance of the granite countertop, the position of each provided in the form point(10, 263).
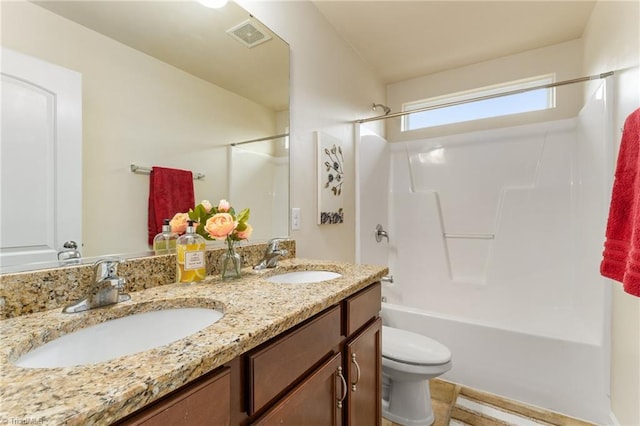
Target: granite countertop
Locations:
point(254, 311)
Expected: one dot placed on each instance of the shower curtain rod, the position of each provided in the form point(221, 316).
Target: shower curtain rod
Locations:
point(482, 98)
point(260, 139)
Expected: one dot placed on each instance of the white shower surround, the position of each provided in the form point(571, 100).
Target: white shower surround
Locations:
point(260, 181)
point(514, 291)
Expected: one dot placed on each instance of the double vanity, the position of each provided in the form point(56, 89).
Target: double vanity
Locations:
point(299, 344)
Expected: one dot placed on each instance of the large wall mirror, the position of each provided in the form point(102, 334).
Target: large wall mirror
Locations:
point(164, 83)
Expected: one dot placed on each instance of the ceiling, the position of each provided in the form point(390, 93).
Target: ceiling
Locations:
point(193, 38)
point(401, 40)
point(398, 39)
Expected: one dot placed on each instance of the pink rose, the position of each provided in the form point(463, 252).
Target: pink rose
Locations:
point(207, 205)
point(244, 235)
point(220, 225)
point(179, 223)
point(224, 206)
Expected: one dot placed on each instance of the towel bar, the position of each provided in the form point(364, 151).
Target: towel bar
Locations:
point(147, 170)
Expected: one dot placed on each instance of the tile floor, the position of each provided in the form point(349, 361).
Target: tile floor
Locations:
point(459, 405)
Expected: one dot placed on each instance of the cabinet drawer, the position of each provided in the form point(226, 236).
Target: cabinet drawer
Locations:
point(207, 402)
point(362, 307)
point(275, 367)
point(313, 402)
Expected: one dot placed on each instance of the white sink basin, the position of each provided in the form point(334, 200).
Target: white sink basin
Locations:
point(303, 277)
point(118, 337)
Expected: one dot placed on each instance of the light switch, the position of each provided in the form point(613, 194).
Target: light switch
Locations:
point(295, 218)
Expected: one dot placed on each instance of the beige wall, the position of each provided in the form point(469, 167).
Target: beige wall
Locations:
point(330, 86)
point(612, 42)
point(136, 109)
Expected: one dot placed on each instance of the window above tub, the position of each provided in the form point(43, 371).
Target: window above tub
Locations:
point(480, 103)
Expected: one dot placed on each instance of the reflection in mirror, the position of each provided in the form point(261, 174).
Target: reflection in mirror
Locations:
point(259, 177)
point(163, 84)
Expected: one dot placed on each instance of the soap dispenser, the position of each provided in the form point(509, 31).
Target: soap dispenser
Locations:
point(165, 241)
point(190, 256)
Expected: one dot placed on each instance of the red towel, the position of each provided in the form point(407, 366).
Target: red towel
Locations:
point(621, 256)
point(170, 192)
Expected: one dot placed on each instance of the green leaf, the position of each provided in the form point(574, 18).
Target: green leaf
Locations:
point(243, 216)
point(202, 213)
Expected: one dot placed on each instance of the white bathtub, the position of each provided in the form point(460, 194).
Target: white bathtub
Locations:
point(543, 371)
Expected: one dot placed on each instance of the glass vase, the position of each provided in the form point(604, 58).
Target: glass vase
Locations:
point(230, 263)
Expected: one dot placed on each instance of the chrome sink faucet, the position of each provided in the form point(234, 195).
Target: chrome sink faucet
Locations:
point(106, 287)
point(271, 254)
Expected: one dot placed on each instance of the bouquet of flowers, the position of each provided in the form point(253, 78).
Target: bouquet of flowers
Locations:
point(215, 223)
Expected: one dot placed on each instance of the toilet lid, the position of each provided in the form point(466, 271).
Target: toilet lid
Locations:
point(412, 348)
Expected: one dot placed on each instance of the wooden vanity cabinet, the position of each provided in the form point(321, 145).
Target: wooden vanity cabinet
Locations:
point(315, 401)
point(273, 368)
point(363, 357)
point(326, 371)
point(206, 401)
point(321, 398)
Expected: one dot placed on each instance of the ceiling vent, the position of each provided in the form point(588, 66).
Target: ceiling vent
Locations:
point(249, 34)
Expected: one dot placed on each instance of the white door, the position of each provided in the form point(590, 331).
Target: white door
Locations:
point(41, 159)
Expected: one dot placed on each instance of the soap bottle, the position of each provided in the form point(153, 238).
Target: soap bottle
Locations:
point(165, 241)
point(190, 256)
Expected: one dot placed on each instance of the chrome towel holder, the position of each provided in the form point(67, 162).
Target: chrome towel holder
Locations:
point(147, 171)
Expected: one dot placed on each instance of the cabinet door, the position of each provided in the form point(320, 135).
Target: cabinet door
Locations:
point(203, 403)
point(364, 376)
point(314, 402)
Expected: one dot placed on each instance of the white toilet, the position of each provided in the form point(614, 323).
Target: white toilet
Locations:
point(409, 360)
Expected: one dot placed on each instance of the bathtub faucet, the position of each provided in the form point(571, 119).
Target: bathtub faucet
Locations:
point(381, 233)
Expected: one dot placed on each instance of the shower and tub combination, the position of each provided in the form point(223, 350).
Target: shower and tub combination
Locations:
point(494, 243)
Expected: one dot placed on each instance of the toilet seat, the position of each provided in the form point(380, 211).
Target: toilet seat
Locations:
point(411, 348)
